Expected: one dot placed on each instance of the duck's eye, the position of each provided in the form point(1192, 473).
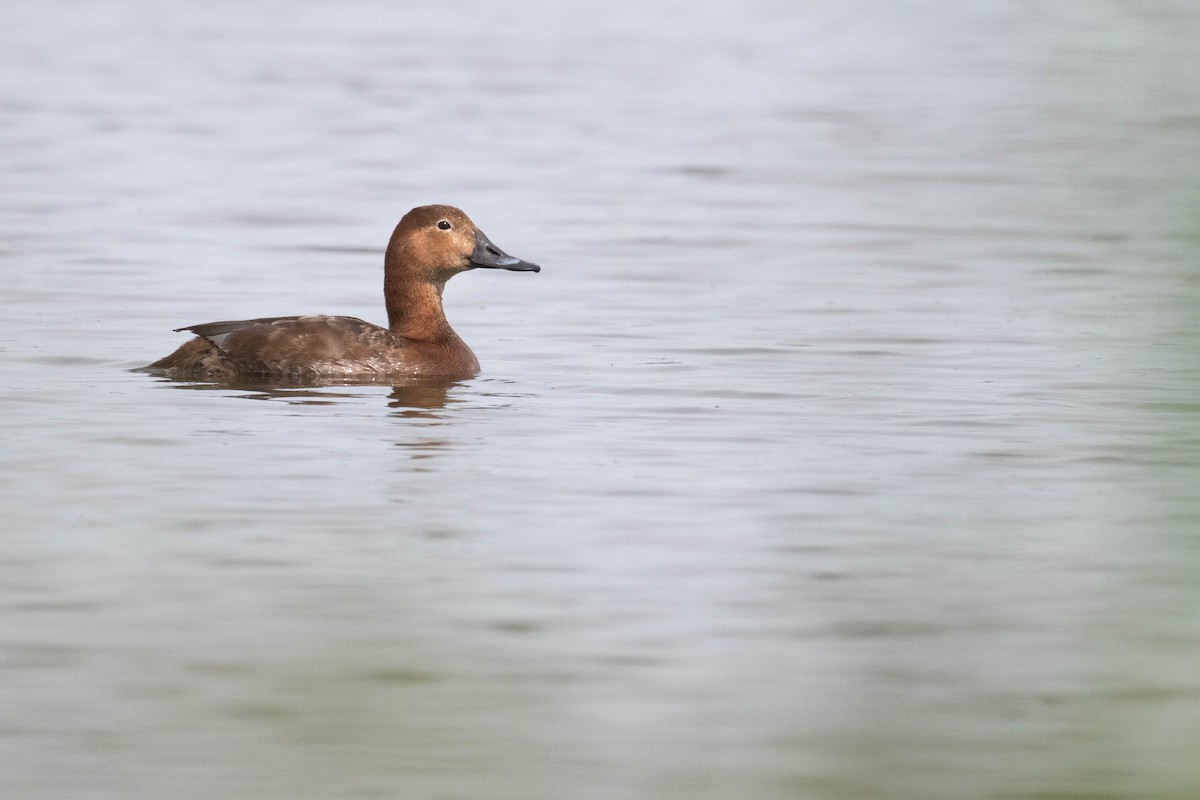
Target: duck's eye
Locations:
point(444, 225)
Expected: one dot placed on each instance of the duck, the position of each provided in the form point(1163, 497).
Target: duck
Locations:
point(430, 245)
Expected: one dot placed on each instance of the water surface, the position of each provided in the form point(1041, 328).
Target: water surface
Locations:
point(845, 447)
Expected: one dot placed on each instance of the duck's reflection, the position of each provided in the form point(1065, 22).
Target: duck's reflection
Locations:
point(422, 398)
point(419, 397)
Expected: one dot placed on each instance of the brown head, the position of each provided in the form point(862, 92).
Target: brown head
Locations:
point(429, 246)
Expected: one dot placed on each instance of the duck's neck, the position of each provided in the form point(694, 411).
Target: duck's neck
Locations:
point(415, 315)
point(415, 311)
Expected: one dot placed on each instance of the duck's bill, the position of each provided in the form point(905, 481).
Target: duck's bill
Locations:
point(488, 256)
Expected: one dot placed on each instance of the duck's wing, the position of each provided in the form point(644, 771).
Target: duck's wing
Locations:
point(218, 332)
point(303, 346)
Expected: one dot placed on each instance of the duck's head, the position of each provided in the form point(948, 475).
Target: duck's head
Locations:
point(434, 243)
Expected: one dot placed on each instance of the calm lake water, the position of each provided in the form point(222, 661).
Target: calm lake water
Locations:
point(847, 446)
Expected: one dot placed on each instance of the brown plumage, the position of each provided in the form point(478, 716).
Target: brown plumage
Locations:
point(429, 246)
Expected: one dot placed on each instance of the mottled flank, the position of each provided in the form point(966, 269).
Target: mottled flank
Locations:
point(298, 349)
point(429, 246)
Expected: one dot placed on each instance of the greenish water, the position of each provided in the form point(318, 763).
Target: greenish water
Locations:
point(847, 445)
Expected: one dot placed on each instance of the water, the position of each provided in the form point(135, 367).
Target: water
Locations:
point(845, 447)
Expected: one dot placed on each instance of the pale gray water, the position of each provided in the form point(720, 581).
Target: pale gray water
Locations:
point(845, 447)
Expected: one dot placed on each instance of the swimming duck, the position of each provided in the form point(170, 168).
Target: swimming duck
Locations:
point(430, 245)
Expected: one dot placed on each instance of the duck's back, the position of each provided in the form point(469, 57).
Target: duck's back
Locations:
point(297, 348)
